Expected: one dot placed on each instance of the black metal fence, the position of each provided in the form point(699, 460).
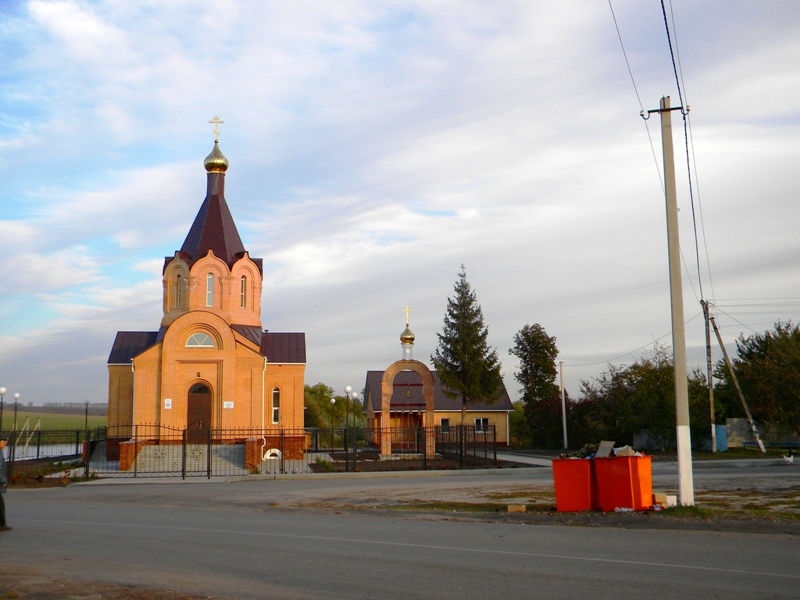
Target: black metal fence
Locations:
point(46, 453)
point(198, 451)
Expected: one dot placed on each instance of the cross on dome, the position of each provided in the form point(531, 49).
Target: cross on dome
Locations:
point(216, 121)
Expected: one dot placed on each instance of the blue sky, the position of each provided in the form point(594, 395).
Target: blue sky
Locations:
point(374, 148)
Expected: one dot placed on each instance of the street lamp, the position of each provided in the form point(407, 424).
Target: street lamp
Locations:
point(333, 402)
point(16, 399)
point(2, 393)
point(349, 396)
point(347, 390)
point(14, 443)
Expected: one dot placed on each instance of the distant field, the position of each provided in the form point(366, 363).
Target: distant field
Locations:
point(49, 420)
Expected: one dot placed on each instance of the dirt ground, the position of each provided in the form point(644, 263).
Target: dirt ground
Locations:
point(33, 584)
point(763, 508)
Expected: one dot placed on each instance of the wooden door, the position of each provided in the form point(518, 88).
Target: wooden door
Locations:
point(198, 414)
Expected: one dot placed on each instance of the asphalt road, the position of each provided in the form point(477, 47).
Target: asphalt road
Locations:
point(248, 539)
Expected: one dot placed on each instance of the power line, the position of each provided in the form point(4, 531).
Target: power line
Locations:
point(636, 91)
point(652, 146)
point(684, 113)
point(682, 85)
point(639, 349)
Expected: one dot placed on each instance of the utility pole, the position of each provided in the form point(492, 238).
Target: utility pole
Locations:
point(735, 380)
point(710, 371)
point(563, 403)
point(683, 437)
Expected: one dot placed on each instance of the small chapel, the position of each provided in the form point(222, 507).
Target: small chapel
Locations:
point(210, 364)
point(408, 395)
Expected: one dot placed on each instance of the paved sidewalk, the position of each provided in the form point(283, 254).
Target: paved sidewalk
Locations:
point(536, 461)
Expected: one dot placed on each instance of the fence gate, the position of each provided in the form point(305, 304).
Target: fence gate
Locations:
point(196, 459)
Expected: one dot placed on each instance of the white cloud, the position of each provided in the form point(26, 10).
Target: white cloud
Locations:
point(375, 148)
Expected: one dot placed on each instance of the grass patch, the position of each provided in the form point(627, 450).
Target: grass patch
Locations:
point(738, 454)
point(50, 420)
point(471, 507)
point(710, 506)
point(692, 512)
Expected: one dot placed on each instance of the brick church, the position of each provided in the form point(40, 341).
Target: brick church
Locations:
point(210, 364)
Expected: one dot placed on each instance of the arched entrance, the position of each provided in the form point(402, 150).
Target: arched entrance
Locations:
point(386, 400)
point(198, 410)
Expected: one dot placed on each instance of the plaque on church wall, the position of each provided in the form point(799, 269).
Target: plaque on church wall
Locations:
point(227, 404)
point(167, 403)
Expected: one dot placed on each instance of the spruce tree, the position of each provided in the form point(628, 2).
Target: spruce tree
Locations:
point(467, 366)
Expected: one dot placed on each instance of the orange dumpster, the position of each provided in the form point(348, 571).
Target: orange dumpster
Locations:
point(575, 486)
point(624, 482)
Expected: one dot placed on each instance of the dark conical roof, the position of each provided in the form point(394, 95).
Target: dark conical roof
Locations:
point(213, 228)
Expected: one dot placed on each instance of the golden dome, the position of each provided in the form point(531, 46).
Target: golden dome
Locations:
point(407, 337)
point(216, 161)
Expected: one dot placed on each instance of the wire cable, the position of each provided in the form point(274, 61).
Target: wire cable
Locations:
point(636, 91)
point(639, 349)
point(684, 113)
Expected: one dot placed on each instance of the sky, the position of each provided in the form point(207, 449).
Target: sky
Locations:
point(374, 148)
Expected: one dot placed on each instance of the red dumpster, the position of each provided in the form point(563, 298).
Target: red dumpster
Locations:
point(575, 486)
point(624, 482)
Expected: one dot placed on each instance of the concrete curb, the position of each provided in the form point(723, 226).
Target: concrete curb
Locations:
point(543, 463)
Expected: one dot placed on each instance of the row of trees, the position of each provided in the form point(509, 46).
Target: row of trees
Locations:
point(322, 413)
point(640, 396)
point(624, 399)
point(620, 402)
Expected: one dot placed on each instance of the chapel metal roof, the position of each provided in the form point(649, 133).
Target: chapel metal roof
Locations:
point(286, 348)
point(407, 395)
point(213, 228)
point(250, 332)
point(129, 344)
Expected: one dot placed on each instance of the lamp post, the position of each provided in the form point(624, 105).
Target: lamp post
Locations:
point(333, 402)
point(16, 399)
point(13, 452)
point(349, 396)
point(347, 390)
point(2, 393)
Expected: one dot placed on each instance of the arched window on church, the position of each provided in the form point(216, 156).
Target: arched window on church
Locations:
point(178, 292)
point(210, 289)
point(243, 293)
point(276, 406)
point(200, 340)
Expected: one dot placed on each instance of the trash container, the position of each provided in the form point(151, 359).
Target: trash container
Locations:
point(624, 482)
point(575, 486)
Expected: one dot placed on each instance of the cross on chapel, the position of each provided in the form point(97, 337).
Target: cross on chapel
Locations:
point(216, 121)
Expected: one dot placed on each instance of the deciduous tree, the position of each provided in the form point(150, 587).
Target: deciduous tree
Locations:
point(537, 354)
point(767, 367)
point(638, 397)
point(318, 405)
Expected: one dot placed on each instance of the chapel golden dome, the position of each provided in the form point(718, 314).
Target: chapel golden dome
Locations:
point(216, 161)
point(407, 337)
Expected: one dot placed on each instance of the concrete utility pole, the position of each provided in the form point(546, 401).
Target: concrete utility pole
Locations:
point(563, 404)
point(684, 442)
point(710, 371)
point(750, 420)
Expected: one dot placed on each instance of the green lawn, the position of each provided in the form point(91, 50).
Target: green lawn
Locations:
point(49, 420)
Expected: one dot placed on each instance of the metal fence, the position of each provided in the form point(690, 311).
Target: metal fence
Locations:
point(48, 453)
point(198, 451)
